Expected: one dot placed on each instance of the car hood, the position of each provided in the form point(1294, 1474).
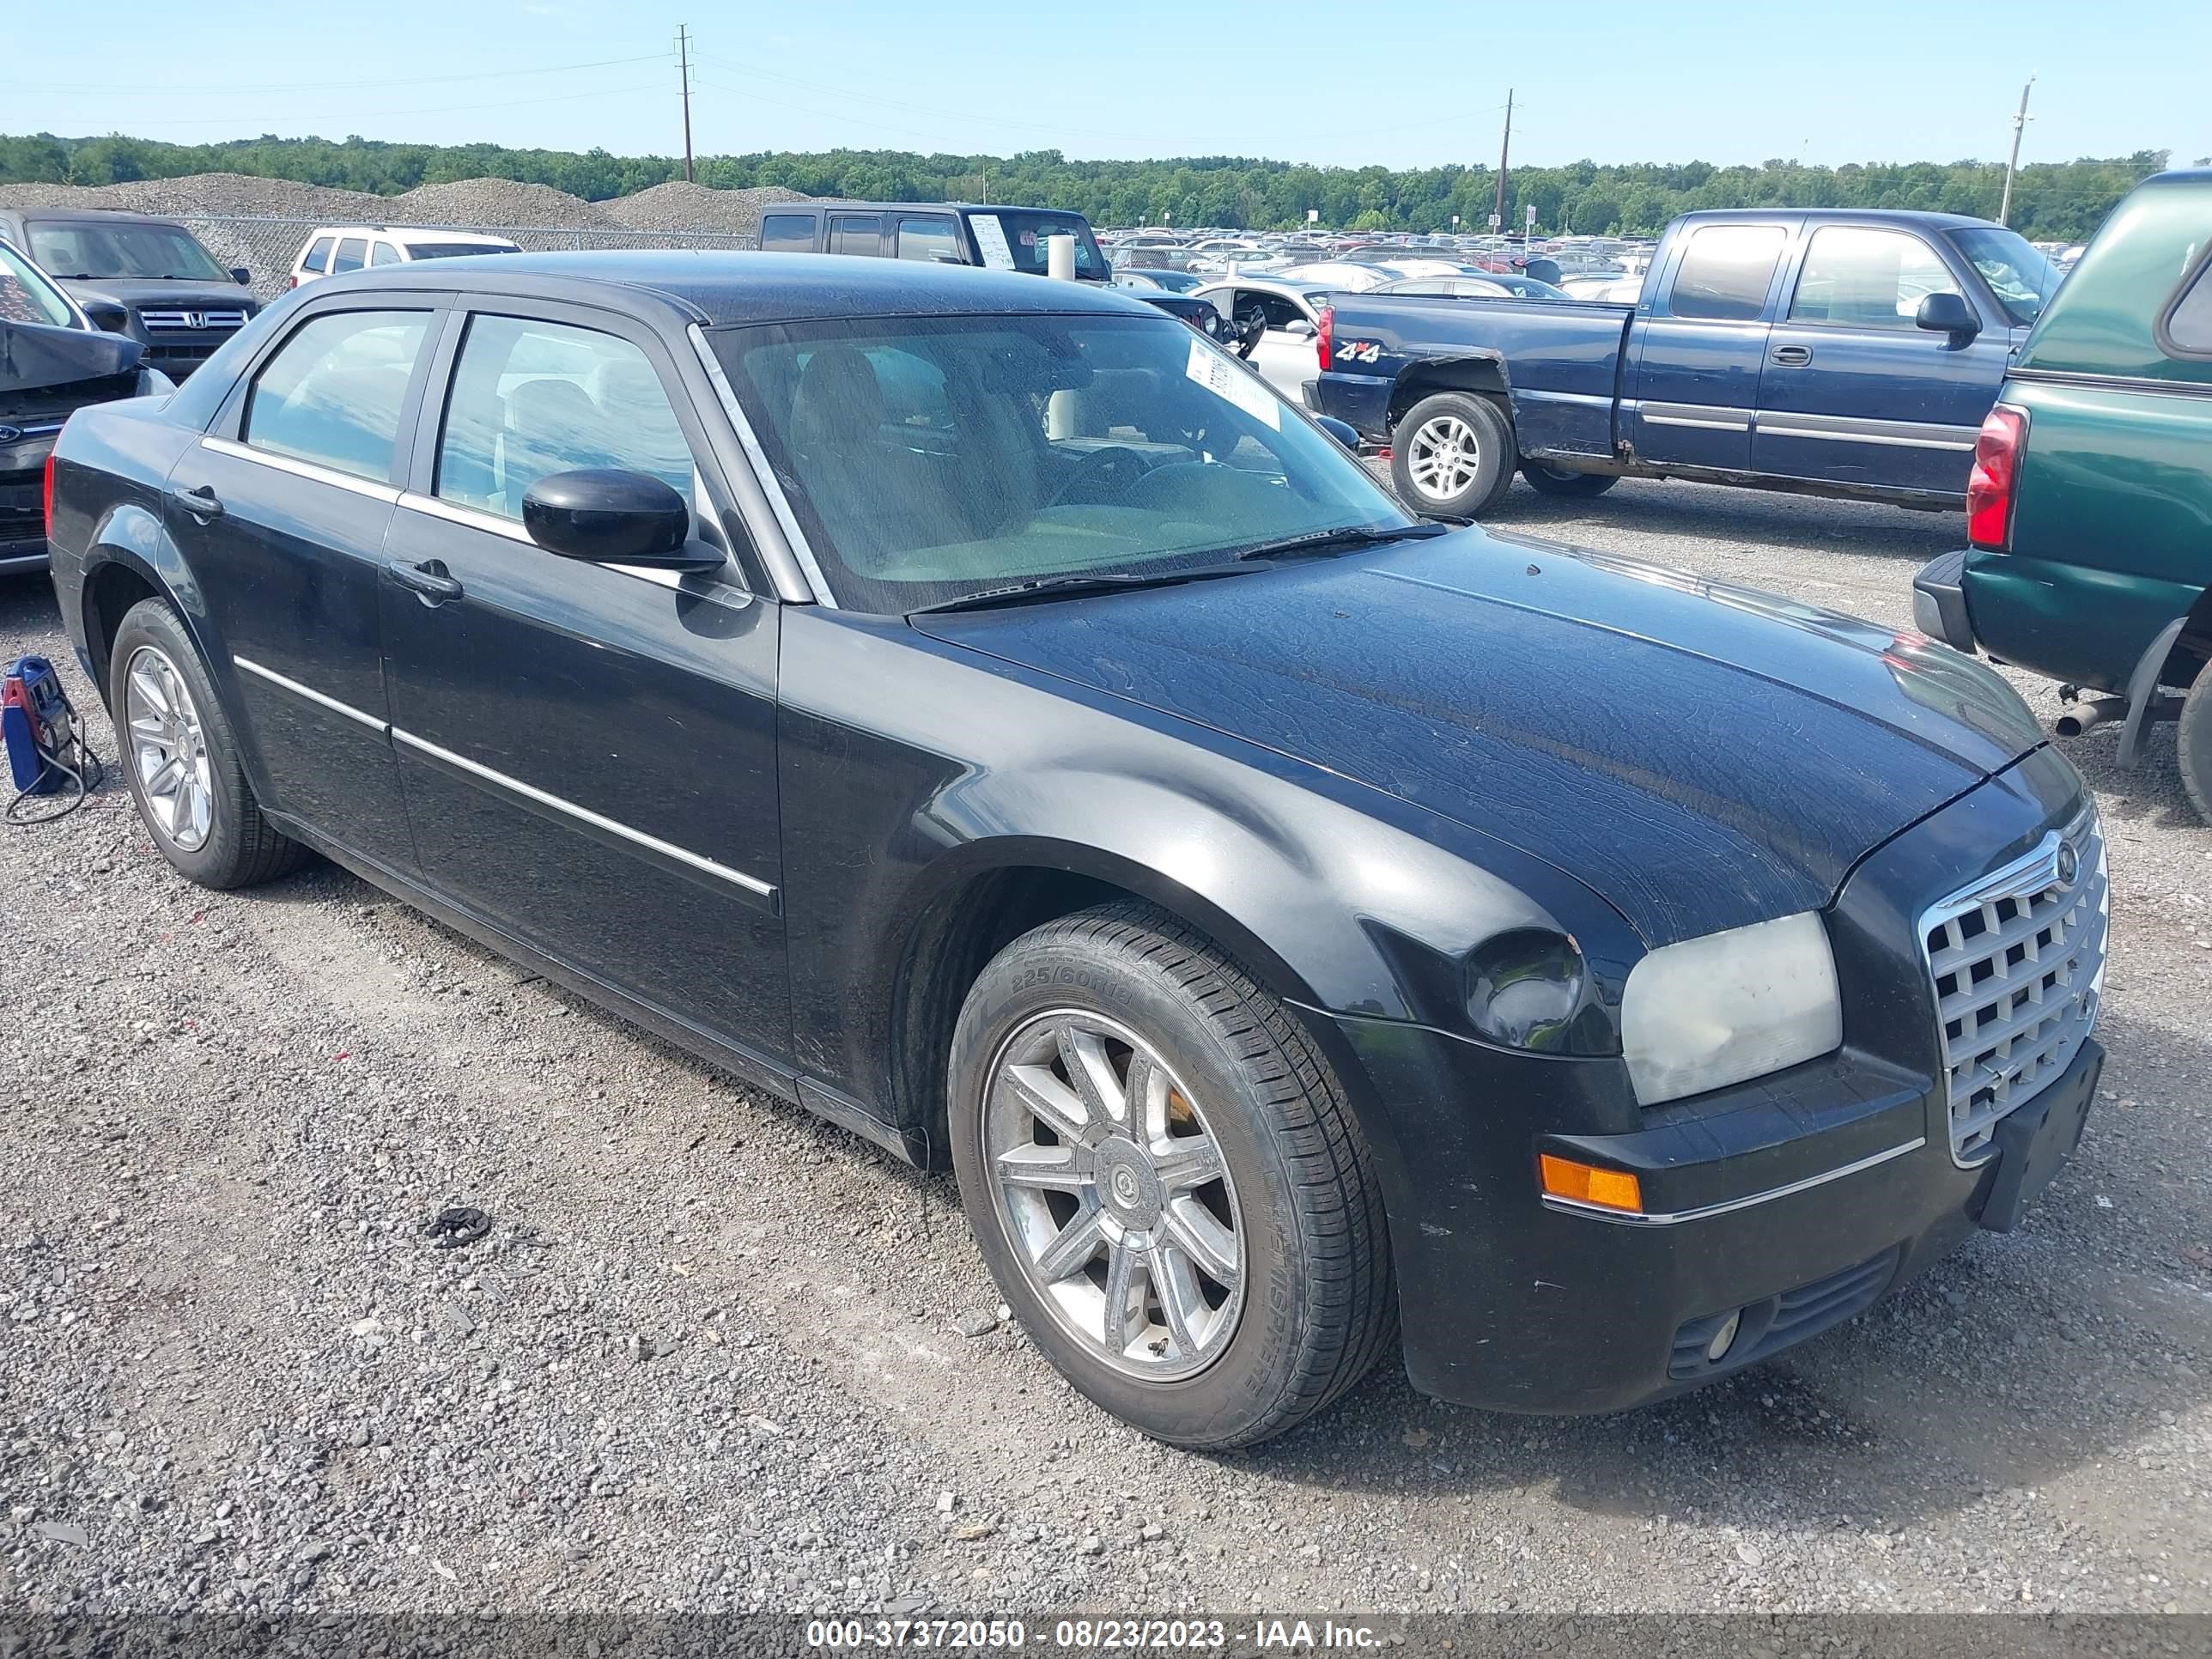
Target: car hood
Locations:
point(1703, 756)
point(194, 294)
point(36, 357)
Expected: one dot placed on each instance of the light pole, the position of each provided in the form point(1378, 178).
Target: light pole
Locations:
point(2018, 126)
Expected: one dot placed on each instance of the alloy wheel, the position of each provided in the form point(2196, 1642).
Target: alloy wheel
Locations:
point(168, 750)
point(1114, 1194)
point(1443, 458)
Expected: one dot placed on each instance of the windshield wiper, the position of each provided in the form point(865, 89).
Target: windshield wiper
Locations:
point(1347, 538)
point(1075, 586)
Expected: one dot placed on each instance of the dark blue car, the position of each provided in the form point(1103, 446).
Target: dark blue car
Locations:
point(1843, 353)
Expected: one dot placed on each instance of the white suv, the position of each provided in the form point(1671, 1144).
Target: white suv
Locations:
point(335, 249)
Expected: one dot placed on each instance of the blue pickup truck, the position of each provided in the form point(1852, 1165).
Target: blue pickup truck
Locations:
point(1824, 352)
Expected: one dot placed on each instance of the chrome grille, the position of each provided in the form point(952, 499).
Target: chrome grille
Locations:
point(173, 320)
point(2018, 963)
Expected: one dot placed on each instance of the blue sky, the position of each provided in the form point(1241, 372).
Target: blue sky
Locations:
point(1399, 84)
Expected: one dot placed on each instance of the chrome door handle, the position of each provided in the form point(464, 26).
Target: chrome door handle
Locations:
point(1792, 356)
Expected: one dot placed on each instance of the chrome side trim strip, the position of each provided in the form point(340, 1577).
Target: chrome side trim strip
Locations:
point(298, 468)
point(1710, 417)
point(763, 474)
point(313, 695)
point(667, 849)
point(1729, 1206)
point(1844, 428)
point(474, 518)
point(2095, 381)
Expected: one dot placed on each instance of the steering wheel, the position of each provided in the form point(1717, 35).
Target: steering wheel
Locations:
point(1111, 472)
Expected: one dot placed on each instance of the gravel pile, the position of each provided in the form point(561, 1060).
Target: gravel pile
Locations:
point(716, 1354)
point(681, 206)
point(209, 195)
point(494, 202)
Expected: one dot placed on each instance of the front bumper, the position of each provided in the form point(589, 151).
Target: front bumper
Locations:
point(1939, 602)
point(1791, 1202)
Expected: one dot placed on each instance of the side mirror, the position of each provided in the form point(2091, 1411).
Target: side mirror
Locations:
point(1299, 329)
point(242, 276)
point(1343, 431)
point(1948, 313)
point(605, 516)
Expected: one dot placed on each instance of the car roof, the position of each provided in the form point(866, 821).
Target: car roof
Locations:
point(443, 233)
point(842, 205)
point(1900, 216)
point(727, 289)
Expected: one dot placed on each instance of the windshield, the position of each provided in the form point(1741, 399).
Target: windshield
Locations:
point(97, 251)
point(457, 250)
point(930, 459)
point(1013, 238)
point(26, 295)
point(2022, 279)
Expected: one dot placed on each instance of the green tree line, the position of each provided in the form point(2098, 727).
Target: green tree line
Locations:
point(2057, 201)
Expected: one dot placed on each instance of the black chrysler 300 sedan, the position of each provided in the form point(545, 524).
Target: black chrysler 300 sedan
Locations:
point(980, 711)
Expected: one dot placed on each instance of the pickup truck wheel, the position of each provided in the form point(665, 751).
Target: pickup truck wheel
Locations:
point(2195, 738)
point(1553, 481)
point(180, 757)
point(1452, 456)
point(1166, 1180)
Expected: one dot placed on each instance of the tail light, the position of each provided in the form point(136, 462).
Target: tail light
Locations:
point(49, 496)
point(1990, 485)
point(291, 282)
point(1325, 335)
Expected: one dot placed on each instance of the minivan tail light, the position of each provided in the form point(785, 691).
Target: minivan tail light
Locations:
point(48, 495)
point(1991, 485)
point(1325, 335)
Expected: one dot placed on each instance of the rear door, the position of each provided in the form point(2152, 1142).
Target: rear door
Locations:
point(280, 512)
point(1854, 392)
point(588, 750)
point(1701, 342)
point(856, 233)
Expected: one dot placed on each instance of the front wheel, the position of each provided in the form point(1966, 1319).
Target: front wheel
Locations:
point(1166, 1180)
point(1452, 456)
point(1556, 481)
point(2195, 738)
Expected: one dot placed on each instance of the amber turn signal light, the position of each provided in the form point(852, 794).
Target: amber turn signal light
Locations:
point(1585, 1184)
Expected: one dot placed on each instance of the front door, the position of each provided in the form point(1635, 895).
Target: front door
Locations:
point(1855, 392)
point(281, 511)
point(588, 750)
point(1701, 345)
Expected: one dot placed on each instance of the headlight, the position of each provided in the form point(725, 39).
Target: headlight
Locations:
point(1715, 1010)
point(152, 382)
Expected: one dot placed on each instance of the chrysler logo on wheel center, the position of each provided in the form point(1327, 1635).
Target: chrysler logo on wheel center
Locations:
point(1125, 1185)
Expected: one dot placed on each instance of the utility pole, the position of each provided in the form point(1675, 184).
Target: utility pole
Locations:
point(2018, 124)
point(1504, 149)
point(683, 69)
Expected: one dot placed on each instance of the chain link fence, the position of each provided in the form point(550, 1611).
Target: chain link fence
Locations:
point(267, 247)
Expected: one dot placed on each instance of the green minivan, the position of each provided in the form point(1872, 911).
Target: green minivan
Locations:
point(2089, 508)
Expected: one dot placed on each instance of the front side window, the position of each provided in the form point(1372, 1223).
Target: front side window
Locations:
point(318, 255)
point(334, 391)
point(856, 233)
point(532, 398)
point(788, 232)
point(86, 248)
point(1861, 277)
point(352, 254)
point(1725, 273)
point(930, 459)
point(26, 295)
point(383, 253)
point(929, 239)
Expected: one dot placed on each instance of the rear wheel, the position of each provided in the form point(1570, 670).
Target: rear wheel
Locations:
point(2195, 739)
point(1556, 481)
point(180, 757)
point(1166, 1180)
point(1452, 456)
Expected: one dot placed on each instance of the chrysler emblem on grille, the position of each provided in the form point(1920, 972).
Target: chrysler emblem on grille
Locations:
point(2069, 864)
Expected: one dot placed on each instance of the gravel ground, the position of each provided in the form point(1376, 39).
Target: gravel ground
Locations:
point(716, 1354)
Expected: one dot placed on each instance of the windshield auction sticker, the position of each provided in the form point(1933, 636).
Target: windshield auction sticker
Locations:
point(1221, 377)
point(991, 238)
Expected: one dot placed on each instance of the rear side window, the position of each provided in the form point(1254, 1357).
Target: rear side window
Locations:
point(2187, 330)
point(788, 232)
point(856, 233)
point(318, 256)
point(351, 253)
point(383, 253)
point(1725, 273)
point(532, 398)
point(333, 392)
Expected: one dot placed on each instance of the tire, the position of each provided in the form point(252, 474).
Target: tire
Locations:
point(1573, 485)
point(2194, 739)
point(210, 826)
point(1452, 456)
point(1313, 1303)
